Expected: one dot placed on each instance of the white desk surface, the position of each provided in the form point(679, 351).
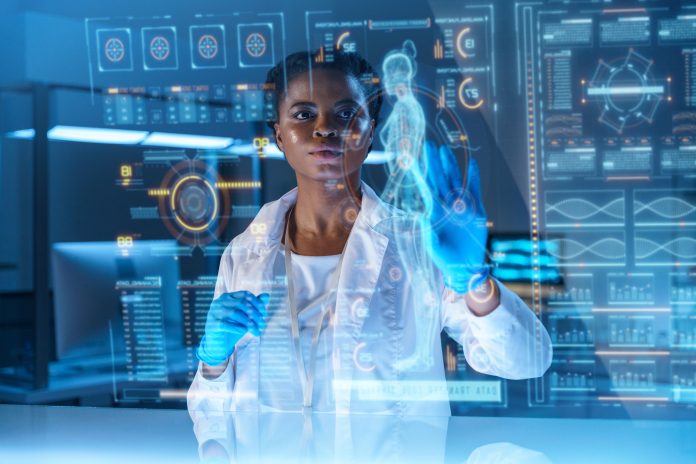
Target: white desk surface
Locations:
point(77, 435)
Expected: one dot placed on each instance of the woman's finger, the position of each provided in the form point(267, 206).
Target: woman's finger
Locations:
point(451, 168)
point(435, 175)
point(473, 186)
point(235, 327)
point(246, 321)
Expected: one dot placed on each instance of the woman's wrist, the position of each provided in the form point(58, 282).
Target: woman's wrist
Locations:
point(213, 372)
point(484, 298)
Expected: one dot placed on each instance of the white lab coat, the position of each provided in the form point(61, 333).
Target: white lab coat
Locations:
point(373, 312)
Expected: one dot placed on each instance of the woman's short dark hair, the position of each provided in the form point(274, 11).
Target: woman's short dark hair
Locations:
point(350, 64)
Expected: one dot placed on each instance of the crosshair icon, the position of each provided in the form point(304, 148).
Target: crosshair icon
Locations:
point(256, 44)
point(208, 46)
point(114, 50)
point(159, 48)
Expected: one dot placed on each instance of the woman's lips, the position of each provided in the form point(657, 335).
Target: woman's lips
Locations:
point(325, 154)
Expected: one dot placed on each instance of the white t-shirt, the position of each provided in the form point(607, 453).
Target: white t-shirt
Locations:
point(312, 276)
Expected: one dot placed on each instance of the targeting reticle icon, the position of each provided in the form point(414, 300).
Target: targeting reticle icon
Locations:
point(208, 46)
point(255, 44)
point(627, 93)
point(159, 48)
point(114, 50)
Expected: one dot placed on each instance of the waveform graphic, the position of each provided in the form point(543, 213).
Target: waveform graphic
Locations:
point(605, 248)
point(667, 207)
point(580, 209)
point(682, 248)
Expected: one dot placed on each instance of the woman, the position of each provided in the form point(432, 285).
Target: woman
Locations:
point(338, 336)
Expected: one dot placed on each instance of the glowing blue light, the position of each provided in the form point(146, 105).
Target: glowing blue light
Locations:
point(519, 259)
point(549, 275)
point(26, 134)
point(96, 135)
point(378, 157)
point(166, 139)
point(522, 245)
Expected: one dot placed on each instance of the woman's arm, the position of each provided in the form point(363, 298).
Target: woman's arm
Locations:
point(508, 342)
point(211, 381)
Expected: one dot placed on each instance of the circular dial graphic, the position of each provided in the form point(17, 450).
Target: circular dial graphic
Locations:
point(469, 94)
point(464, 42)
point(194, 203)
point(194, 210)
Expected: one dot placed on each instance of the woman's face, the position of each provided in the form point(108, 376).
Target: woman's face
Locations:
point(324, 130)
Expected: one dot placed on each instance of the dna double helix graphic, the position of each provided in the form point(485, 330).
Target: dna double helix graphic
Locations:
point(579, 209)
point(669, 207)
point(608, 248)
point(680, 247)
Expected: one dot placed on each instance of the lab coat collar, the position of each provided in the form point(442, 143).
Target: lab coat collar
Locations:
point(266, 230)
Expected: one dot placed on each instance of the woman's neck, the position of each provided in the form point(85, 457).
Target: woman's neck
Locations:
point(323, 215)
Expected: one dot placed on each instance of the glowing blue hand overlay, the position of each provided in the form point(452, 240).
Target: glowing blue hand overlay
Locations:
point(457, 234)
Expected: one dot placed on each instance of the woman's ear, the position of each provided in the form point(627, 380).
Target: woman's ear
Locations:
point(278, 137)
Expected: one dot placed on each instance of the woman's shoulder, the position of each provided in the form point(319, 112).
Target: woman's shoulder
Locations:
point(264, 228)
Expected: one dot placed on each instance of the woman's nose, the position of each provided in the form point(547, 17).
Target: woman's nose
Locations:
point(324, 126)
point(323, 132)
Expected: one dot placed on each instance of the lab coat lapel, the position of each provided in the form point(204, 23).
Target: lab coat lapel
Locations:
point(261, 242)
point(362, 264)
point(247, 398)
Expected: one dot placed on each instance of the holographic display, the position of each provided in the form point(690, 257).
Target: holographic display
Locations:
point(607, 91)
point(594, 102)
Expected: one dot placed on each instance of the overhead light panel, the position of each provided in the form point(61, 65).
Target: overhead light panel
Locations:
point(96, 135)
point(205, 142)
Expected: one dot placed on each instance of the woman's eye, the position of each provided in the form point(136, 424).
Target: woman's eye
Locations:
point(347, 114)
point(302, 115)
